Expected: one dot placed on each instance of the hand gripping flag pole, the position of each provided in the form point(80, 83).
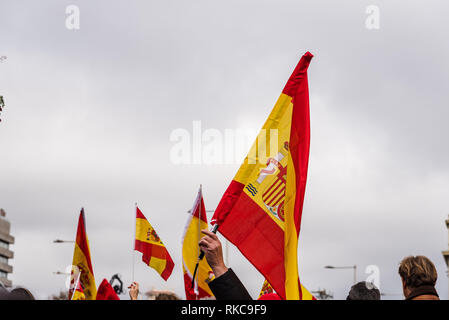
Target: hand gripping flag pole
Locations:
point(201, 256)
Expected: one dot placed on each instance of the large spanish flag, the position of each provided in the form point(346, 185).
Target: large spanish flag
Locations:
point(260, 211)
point(81, 260)
point(196, 221)
point(154, 253)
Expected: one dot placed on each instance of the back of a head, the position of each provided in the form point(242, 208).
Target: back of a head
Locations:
point(166, 296)
point(363, 291)
point(21, 294)
point(417, 271)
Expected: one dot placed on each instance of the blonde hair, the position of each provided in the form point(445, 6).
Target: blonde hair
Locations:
point(417, 271)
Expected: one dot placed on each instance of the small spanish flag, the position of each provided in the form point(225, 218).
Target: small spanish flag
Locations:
point(154, 253)
point(82, 262)
point(196, 221)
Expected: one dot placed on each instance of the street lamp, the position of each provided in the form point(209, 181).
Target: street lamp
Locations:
point(346, 267)
point(63, 241)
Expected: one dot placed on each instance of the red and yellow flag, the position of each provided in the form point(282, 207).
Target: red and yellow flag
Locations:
point(81, 260)
point(197, 221)
point(260, 211)
point(268, 289)
point(154, 253)
point(78, 294)
point(106, 292)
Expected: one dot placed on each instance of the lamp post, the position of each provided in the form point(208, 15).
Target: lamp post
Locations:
point(62, 241)
point(346, 267)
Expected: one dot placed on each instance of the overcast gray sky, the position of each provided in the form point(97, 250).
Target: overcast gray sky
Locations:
point(90, 111)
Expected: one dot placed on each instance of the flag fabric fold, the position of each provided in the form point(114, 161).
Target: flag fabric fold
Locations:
point(106, 292)
point(196, 221)
point(267, 293)
point(154, 253)
point(82, 265)
point(260, 212)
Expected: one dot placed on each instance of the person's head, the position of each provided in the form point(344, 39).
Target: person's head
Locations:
point(15, 294)
point(363, 291)
point(21, 294)
point(417, 272)
point(166, 296)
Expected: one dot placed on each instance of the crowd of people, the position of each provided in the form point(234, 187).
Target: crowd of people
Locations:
point(417, 273)
point(418, 276)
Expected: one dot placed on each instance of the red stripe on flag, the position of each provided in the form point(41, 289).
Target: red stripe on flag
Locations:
point(298, 88)
point(252, 237)
point(139, 214)
point(149, 250)
point(168, 269)
point(300, 132)
point(227, 202)
point(199, 206)
point(81, 239)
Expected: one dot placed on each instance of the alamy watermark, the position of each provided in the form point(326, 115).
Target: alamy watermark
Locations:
point(373, 279)
point(372, 21)
point(72, 21)
point(228, 146)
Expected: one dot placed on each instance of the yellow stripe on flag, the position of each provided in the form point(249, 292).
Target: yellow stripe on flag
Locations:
point(290, 236)
point(158, 264)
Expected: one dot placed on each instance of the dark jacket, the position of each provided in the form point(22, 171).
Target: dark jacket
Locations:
point(229, 287)
point(423, 293)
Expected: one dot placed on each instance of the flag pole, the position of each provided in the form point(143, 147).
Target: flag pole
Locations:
point(76, 285)
point(134, 240)
point(199, 235)
point(201, 253)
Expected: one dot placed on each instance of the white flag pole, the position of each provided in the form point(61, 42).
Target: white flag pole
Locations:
point(134, 239)
point(76, 285)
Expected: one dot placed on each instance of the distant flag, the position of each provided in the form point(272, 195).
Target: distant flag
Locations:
point(78, 293)
point(82, 261)
point(106, 292)
point(196, 221)
point(261, 210)
point(154, 253)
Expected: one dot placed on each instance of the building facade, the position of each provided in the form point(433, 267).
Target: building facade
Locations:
point(5, 253)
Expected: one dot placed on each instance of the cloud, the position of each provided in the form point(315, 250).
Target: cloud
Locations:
point(89, 115)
